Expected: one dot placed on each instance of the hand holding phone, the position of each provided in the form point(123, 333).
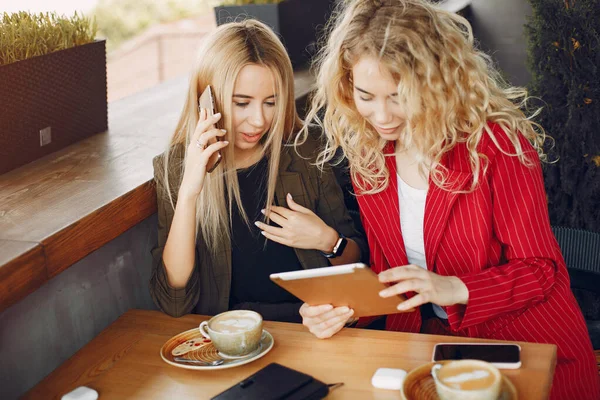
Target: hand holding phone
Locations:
point(203, 154)
point(207, 102)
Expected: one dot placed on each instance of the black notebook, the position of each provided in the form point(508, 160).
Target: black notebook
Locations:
point(276, 382)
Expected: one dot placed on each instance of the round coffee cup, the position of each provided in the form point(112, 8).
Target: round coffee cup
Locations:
point(467, 380)
point(234, 333)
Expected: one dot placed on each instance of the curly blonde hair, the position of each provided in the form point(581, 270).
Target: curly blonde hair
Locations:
point(451, 90)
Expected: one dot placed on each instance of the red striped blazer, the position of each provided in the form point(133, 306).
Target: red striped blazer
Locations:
point(497, 240)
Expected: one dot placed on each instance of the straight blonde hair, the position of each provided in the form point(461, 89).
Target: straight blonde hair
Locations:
point(223, 55)
point(451, 90)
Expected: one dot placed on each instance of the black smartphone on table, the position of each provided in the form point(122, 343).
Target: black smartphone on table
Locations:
point(207, 102)
point(501, 355)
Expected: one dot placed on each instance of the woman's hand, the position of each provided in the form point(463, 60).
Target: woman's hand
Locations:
point(200, 154)
point(430, 287)
point(324, 321)
point(300, 228)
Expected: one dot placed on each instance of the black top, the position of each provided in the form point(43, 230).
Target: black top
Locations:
point(253, 261)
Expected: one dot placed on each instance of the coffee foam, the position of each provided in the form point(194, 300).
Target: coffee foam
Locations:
point(467, 376)
point(234, 324)
point(468, 380)
point(238, 323)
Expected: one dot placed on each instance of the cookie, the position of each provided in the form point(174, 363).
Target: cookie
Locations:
point(189, 345)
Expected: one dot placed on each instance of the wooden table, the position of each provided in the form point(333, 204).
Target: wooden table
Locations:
point(124, 361)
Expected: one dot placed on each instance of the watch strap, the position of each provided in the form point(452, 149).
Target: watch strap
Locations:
point(339, 247)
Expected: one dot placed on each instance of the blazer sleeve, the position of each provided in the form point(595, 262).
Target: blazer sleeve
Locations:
point(521, 224)
point(172, 301)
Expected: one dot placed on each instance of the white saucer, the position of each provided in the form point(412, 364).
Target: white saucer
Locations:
point(209, 353)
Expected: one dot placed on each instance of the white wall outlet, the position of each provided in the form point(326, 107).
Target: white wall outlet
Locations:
point(45, 136)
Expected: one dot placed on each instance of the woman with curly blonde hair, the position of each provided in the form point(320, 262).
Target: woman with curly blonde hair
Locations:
point(446, 168)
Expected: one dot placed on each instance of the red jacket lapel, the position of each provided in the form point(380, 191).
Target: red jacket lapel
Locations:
point(383, 214)
point(440, 201)
point(383, 208)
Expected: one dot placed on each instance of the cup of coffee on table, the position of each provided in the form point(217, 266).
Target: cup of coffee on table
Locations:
point(234, 333)
point(467, 380)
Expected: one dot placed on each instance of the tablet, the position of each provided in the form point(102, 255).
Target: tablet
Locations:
point(351, 285)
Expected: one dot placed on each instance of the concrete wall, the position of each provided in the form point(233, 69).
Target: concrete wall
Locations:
point(46, 328)
point(498, 26)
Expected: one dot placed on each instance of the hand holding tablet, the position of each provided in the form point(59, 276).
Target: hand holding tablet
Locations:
point(352, 285)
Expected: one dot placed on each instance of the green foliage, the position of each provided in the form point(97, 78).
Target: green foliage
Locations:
point(120, 20)
point(24, 35)
point(564, 60)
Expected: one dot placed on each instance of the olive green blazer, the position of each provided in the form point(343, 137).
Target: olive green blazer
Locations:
point(207, 291)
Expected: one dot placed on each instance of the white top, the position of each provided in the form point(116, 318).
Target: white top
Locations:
point(412, 212)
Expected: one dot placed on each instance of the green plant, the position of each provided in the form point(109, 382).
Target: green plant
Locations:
point(564, 60)
point(24, 35)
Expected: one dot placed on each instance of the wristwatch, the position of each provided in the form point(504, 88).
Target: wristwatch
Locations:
point(339, 247)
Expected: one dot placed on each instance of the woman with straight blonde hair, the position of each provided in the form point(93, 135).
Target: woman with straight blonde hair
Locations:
point(210, 256)
point(446, 167)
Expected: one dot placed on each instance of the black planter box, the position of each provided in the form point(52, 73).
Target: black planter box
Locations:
point(60, 96)
point(299, 23)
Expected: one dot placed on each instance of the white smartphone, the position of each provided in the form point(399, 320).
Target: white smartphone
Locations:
point(501, 355)
point(207, 102)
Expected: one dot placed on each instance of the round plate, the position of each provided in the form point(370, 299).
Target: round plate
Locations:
point(419, 384)
point(207, 352)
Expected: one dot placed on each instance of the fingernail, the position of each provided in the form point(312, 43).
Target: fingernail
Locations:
point(328, 306)
point(256, 223)
point(217, 115)
point(223, 130)
point(401, 306)
point(289, 195)
point(262, 211)
point(345, 309)
point(351, 311)
point(383, 293)
point(263, 233)
point(225, 142)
